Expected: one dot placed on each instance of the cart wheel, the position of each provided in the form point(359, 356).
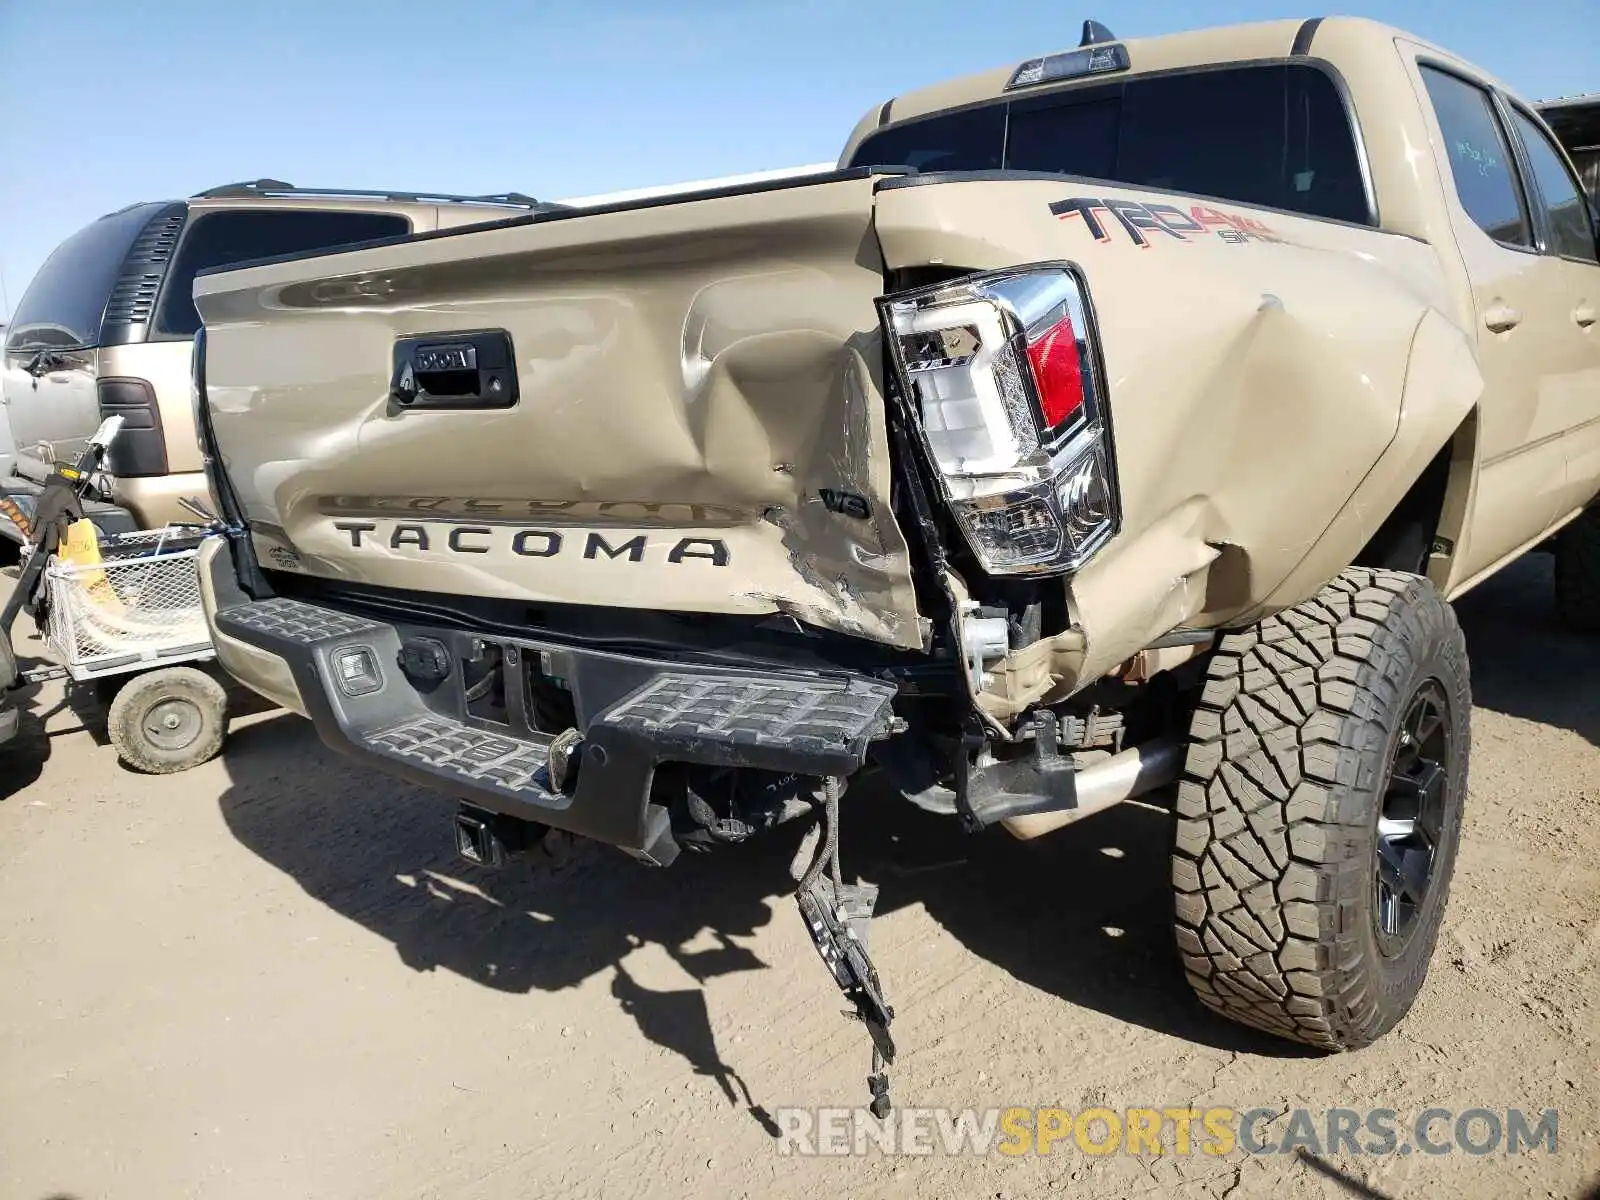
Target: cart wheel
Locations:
point(168, 720)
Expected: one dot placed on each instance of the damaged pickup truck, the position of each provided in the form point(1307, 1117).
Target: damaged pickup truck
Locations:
point(1122, 417)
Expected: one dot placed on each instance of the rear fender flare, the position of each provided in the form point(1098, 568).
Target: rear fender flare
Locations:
point(1438, 413)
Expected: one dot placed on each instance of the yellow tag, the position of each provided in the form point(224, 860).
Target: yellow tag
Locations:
point(79, 545)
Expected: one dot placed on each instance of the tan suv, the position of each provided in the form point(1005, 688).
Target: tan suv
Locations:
point(107, 325)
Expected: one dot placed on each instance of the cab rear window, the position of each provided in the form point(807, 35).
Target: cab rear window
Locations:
point(1276, 135)
point(221, 239)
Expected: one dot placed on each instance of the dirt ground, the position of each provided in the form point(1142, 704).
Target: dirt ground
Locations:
point(270, 978)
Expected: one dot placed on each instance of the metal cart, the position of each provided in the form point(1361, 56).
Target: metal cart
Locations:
point(131, 623)
point(120, 611)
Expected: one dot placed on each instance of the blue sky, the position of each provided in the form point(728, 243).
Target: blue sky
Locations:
point(102, 104)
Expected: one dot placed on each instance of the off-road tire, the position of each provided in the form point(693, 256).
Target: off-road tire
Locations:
point(194, 698)
point(1289, 760)
point(1578, 573)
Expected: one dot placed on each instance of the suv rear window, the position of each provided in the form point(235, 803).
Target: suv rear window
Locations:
point(66, 302)
point(1275, 135)
point(220, 239)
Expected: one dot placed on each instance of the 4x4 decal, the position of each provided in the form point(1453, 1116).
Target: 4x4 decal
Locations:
point(1138, 220)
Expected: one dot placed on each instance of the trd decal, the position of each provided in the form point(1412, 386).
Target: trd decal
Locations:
point(1144, 223)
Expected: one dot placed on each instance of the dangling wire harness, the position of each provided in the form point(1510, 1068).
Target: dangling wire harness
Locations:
point(837, 915)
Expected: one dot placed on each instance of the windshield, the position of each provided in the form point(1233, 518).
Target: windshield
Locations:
point(66, 302)
point(1274, 135)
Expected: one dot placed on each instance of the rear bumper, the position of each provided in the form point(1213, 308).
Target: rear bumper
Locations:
point(633, 714)
point(24, 493)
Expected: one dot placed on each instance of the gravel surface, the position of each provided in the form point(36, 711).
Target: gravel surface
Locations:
point(270, 978)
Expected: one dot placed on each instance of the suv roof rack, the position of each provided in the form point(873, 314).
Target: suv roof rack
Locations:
point(276, 187)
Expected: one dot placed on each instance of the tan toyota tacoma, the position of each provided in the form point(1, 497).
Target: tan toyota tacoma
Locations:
point(1126, 415)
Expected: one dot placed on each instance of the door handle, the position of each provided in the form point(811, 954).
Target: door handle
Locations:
point(1501, 317)
point(1583, 315)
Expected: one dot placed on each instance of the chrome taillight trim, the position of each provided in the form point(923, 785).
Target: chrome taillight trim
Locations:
point(1063, 481)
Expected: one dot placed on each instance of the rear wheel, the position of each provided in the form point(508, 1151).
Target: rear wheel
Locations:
point(1320, 809)
point(1578, 573)
point(168, 720)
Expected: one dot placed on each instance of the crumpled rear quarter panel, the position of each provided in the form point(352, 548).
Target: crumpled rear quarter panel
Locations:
point(1252, 382)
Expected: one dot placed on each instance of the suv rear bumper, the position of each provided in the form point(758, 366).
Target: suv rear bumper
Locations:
point(153, 500)
point(634, 714)
point(109, 519)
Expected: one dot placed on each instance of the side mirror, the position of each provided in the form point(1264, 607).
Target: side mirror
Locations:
point(109, 428)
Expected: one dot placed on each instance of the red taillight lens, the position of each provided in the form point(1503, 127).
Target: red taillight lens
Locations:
point(1057, 373)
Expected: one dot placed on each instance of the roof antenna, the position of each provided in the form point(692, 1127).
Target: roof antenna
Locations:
point(1094, 33)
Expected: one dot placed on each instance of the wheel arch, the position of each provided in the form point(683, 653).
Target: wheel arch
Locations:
point(1419, 492)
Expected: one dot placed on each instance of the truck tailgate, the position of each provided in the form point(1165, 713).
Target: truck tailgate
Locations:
point(692, 379)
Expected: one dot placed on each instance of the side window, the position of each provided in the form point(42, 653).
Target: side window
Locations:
point(1571, 234)
point(1480, 160)
point(220, 239)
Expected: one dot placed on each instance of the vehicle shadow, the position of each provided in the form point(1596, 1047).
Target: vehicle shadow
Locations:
point(381, 853)
point(1084, 915)
point(22, 759)
point(1524, 664)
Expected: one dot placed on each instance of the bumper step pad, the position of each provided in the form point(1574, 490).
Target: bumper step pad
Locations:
point(823, 726)
point(470, 754)
point(293, 621)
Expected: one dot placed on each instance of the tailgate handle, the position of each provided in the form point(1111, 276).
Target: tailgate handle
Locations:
point(454, 370)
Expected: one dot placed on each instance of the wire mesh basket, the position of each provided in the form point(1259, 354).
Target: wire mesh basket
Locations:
point(139, 604)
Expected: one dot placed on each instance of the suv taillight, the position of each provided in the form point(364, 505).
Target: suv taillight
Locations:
point(140, 449)
point(999, 368)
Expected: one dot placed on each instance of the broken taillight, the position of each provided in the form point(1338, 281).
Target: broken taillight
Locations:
point(999, 369)
point(1057, 373)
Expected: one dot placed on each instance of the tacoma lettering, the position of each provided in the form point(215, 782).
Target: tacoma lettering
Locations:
point(526, 543)
point(633, 548)
point(460, 547)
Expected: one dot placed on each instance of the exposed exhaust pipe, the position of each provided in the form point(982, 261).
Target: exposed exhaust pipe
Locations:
point(1123, 776)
